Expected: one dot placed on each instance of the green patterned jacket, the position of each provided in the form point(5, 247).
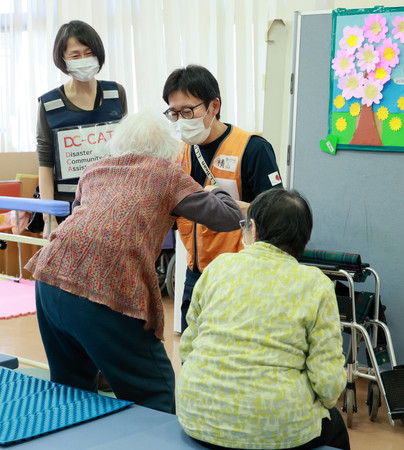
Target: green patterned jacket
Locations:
point(262, 354)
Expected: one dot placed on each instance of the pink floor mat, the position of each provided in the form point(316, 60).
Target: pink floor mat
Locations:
point(17, 299)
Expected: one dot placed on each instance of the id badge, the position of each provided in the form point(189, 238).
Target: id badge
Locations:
point(76, 147)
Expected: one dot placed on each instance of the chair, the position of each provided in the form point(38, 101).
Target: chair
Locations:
point(11, 189)
point(29, 184)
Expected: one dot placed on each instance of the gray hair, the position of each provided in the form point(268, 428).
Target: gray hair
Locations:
point(145, 133)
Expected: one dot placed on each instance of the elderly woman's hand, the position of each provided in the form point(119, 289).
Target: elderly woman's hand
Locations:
point(210, 187)
point(243, 206)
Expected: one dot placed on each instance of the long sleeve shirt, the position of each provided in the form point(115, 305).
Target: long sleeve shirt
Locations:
point(106, 250)
point(262, 352)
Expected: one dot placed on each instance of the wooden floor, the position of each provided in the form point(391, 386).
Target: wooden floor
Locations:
point(20, 336)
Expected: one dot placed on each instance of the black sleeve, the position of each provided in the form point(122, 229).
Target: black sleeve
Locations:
point(216, 210)
point(259, 169)
point(44, 139)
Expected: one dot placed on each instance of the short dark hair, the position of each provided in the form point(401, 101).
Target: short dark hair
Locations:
point(283, 218)
point(195, 80)
point(85, 34)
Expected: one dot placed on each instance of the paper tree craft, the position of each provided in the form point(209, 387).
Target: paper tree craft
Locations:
point(367, 79)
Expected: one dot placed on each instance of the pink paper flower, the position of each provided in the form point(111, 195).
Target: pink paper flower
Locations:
point(343, 63)
point(389, 52)
point(375, 28)
point(368, 57)
point(382, 72)
point(371, 92)
point(351, 85)
point(352, 39)
point(398, 30)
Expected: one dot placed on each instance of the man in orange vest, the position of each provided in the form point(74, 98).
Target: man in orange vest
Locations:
point(218, 155)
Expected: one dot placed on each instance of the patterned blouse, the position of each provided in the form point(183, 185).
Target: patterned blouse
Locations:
point(262, 354)
point(106, 250)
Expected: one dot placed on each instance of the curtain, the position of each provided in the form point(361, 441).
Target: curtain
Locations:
point(144, 41)
point(26, 68)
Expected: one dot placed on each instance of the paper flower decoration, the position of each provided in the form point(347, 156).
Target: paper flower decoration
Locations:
point(352, 39)
point(381, 73)
point(343, 63)
point(339, 101)
point(351, 85)
point(355, 109)
point(400, 103)
point(398, 30)
point(341, 124)
point(368, 57)
point(375, 28)
point(395, 123)
point(371, 92)
point(389, 52)
point(382, 113)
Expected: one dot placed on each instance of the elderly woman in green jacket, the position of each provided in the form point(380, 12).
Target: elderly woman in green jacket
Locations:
point(263, 363)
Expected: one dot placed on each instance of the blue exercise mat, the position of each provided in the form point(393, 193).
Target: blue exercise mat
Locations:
point(30, 406)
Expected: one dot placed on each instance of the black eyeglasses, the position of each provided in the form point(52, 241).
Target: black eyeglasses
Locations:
point(187, 112)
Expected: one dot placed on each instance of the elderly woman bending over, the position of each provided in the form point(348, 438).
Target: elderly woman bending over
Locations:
point(263, 364)
point(98, 300)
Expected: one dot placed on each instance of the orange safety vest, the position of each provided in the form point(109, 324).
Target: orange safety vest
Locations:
point(202, 244)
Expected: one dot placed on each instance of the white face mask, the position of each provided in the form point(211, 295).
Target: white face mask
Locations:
point(83, 69)
point(193, 131)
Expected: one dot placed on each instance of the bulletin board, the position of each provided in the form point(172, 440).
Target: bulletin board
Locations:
point(366, 103)
point(356, 196)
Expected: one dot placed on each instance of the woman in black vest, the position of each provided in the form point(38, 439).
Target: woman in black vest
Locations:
point(77, 117)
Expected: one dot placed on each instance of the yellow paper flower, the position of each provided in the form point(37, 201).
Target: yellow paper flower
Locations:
point(400, 103)
point(395, 123)
point(355, 109)
point(341, 124)
point(339, 101)
point(352, 40)
point(382, 113)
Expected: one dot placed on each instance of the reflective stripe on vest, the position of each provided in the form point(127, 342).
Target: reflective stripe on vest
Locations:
point(202, 244)
point(60, 116)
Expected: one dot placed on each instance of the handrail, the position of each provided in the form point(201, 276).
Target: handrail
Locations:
point(56, 208)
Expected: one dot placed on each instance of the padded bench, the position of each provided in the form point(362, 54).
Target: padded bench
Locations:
point(134, 427)
point(62, 417)
point(11, 362)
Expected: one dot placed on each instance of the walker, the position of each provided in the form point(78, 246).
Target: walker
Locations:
point(359, 314)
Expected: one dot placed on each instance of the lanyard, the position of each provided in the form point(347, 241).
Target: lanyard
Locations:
point(204, 166)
